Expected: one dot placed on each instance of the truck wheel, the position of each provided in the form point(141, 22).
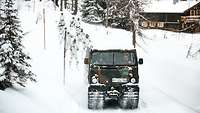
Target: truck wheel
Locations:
point(129, 100)
point(96, 100)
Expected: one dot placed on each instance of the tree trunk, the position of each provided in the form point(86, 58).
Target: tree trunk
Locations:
point(133, 35)
point(107, 13)
point(75, 7)
point(56, 2)
point(65, 4)
point(72, 5)
point(61, 5)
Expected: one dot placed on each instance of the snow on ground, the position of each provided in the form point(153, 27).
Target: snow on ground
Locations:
point(168, 81)
point(170, 71)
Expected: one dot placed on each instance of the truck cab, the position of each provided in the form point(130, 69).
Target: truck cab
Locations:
point(113, 74)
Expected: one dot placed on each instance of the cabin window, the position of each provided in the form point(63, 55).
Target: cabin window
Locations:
point(152, 24)
point(145, 24)
point(192, 12)
point(160, 24)
point(197, 12)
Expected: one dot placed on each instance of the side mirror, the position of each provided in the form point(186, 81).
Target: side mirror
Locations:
point(140, 61)
point(86, 61)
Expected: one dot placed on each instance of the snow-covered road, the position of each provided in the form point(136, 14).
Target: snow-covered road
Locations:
point(169, 83)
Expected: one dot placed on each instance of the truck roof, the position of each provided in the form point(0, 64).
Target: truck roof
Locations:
point(114, 50)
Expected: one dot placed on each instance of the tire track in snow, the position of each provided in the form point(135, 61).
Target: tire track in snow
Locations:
point(176, 100)
point(143, 107)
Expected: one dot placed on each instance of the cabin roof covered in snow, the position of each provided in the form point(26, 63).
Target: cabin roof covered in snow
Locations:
point(169, 7)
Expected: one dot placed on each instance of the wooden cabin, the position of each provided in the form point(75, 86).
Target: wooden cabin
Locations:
point(187, 20)
point(191, 18)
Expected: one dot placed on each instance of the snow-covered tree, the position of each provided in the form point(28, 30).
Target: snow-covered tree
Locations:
point(61, 26)
point(77, 41)
point(125, 14)
point(14, 66)
point(92, 12)
point(122, 13)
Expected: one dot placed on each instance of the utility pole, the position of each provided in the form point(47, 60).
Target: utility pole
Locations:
point(44, 29)
point(65, 49)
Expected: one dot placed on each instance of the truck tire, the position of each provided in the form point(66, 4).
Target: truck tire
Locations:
point(129, 100)
point(96, 100)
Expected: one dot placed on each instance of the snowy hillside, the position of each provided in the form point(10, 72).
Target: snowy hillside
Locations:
point(169, 81)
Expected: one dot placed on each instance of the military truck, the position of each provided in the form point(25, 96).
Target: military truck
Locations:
point(113, 74)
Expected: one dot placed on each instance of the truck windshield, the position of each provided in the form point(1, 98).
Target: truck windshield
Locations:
point(113, 58)
point(102, 58)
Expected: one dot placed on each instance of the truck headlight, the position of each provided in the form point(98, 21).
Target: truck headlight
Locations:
point(130, 74)
point(133, 80)
point(94, 80)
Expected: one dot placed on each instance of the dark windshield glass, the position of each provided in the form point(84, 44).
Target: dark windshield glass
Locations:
point(118, 58)
point(102, 58)
point(122, 58)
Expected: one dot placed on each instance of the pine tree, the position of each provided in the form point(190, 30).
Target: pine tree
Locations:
point(14, 64)
point(92, 12)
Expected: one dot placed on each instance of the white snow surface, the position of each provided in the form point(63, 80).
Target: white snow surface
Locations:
point(169, 82)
